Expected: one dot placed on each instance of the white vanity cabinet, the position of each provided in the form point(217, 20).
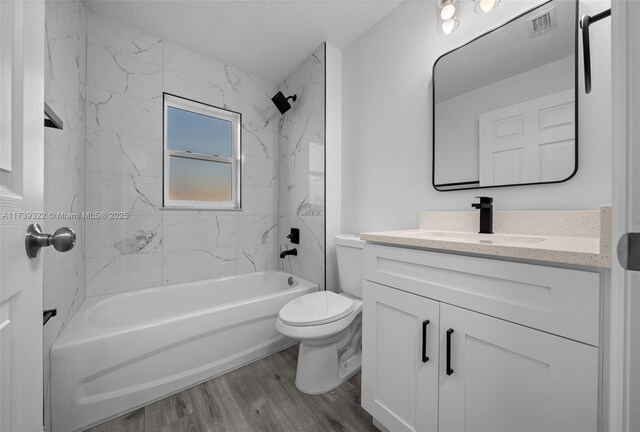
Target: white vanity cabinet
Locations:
point(511, 346)
point(400, 375)
point(507, 377)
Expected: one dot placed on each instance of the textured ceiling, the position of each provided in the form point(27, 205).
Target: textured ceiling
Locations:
point(266, 38)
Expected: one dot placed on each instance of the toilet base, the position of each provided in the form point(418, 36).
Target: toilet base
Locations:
point(329, 354)
point(319, 369)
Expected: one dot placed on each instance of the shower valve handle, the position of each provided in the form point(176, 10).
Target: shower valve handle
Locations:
point(294, 237)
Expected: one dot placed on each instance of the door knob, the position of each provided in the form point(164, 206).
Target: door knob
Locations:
point(63, 240)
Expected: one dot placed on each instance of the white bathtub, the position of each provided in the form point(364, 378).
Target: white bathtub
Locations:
point(122, 351)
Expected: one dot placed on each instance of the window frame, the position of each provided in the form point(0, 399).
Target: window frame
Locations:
point(197, 107)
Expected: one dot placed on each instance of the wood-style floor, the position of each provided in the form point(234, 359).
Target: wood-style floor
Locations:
point(261, 396)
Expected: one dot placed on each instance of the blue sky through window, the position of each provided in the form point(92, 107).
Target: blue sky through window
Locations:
point(198, 133)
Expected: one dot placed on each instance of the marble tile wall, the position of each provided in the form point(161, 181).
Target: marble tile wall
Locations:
point(301, 141)
point(127, 72)
point(64, 154)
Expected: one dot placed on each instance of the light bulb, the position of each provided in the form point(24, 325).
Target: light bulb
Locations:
point(448, 11)
point(485, 6)
point(449, 25)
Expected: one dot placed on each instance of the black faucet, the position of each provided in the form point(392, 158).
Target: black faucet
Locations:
point(293, 252)
point(486, 214)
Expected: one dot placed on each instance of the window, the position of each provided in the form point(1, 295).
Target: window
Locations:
point(201, 155)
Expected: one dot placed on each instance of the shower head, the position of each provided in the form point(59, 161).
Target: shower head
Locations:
point(282, 103)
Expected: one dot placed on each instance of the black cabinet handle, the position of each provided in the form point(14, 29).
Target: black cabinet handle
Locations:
point(425, 358)
point(449, 333)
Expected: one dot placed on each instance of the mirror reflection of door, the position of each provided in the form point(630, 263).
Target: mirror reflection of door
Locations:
point(505, 104)
point(530, 142)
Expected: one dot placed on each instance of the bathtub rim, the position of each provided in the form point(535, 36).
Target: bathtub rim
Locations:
point(79, 329)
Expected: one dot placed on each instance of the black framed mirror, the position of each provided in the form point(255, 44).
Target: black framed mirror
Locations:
point(505, 105)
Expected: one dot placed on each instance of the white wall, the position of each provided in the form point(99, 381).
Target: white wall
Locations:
point(386, 141)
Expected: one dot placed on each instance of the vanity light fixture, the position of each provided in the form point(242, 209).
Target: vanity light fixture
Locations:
point(485, 6)
point(447, 20)
point(449, 26)
point(448, 10)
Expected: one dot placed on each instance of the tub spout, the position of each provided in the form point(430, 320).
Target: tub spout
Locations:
point(293, 252)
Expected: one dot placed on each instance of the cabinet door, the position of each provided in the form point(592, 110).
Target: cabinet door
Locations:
point(399, 385)
point(506, 377)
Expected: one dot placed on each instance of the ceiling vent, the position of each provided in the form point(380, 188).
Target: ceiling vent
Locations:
point(543, 23)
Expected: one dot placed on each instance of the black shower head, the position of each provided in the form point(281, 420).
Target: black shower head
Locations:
point(282, 102)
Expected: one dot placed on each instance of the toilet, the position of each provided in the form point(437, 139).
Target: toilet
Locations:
point(328, 325)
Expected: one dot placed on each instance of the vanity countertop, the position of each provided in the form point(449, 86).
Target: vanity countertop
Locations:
point(579, 238)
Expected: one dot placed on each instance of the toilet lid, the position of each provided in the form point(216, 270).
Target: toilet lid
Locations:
point(317, 308)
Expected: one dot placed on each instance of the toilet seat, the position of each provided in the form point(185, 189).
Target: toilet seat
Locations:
point(316, 309)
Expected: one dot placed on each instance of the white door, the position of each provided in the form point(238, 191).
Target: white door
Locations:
point(21, 188)
point(624, 336)
point(400, 359)
point(499, 376)
point(530, 142)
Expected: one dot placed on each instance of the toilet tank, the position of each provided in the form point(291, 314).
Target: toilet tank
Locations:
point(349, 254)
